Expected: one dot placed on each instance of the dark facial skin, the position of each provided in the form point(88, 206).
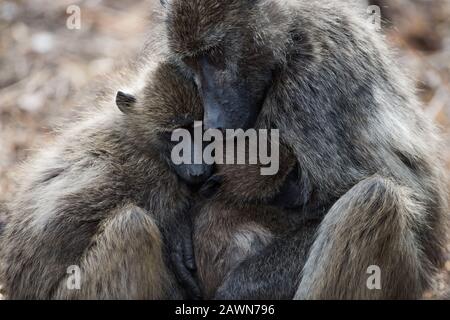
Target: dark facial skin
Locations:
point(230, 101)
point(193, 174)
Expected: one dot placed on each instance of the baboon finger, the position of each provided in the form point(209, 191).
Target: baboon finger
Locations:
point(185, 277)
point(188, 253)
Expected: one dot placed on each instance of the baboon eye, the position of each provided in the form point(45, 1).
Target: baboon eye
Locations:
point(167, 135)
point(183, 122)
point(216, 57)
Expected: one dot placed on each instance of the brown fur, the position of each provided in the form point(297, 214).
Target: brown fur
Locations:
point(237, 223)
point(98, 197)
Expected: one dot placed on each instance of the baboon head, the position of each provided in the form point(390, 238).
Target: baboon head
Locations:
point(169, 102)
point(228, 50)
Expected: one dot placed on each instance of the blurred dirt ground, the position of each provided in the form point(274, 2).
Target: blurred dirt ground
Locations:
point(44, 65)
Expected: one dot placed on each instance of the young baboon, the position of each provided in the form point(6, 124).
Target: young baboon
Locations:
point(369, 169)
point(239, 225)
point(106, 198)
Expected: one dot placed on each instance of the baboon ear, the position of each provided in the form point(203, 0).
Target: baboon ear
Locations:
point(125, 102)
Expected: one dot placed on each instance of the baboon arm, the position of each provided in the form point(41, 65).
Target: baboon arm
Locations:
point(370, 227)
point(124, 262)
point(273, 273)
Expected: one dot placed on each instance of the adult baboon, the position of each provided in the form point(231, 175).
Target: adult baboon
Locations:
point(105, 197)
point(369, 170)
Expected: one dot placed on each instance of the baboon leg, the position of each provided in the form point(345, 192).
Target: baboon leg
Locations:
point(273, 273)
point(124, 262)
point(373, 227)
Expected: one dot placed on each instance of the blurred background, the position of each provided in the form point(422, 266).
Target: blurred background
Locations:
point(46, 62)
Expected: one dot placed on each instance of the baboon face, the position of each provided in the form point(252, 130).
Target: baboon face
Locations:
point(215, 42)
point(169, 102)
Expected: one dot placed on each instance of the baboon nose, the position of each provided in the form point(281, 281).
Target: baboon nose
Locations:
point(208, 124)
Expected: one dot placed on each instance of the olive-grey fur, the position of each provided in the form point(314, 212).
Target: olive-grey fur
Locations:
point(99, 196)
point(369, 160)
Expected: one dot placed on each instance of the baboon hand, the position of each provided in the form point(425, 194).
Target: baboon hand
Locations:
point(180, 253)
